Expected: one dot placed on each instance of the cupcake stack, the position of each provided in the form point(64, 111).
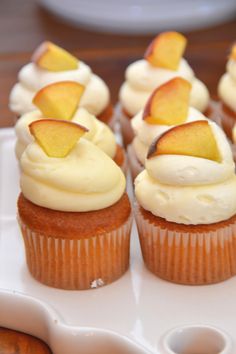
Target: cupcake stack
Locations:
point(73, 209)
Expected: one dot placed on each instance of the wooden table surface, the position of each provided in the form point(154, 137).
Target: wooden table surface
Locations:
point(23, 25)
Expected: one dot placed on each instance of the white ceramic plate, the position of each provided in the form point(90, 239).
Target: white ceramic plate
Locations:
point(131, 315)
point(142, 16)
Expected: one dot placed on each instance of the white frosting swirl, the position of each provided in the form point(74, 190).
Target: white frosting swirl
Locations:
point(32, 78)
point(75, 183)
point(99, 133)
point(188, 189)
point(227, 85)
point(142, 78)
point(145, 133)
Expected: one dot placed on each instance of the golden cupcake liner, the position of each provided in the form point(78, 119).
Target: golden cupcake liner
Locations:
point(76, 264)
point(135, 166)
point(191, 258)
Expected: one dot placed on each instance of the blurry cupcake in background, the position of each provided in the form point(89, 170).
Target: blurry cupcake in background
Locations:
point(227, 95)
point(167, 107)
point(61, 100)
point(163, 60)
point(73, 211)
point(187, 204)
point(51, 64)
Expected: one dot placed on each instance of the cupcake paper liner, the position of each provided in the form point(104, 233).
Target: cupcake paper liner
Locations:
point(192, 258)
point(77, 264)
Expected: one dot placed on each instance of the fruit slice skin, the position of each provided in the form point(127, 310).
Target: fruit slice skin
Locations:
point(59, 100)
point(56, 137)
point(166, 50)
point(191, 139)
point(169, 103)
point(51, 57)
point(233, 52)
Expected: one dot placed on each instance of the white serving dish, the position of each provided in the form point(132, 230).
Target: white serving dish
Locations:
point(135, 314)
point(142, 16)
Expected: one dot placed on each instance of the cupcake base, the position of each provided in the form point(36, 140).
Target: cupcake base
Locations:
point(228, 119)
point(120, 158)
point(74, 251)
point(135, 165)
point(184, 254)
point(125, 125)
point(107, 116)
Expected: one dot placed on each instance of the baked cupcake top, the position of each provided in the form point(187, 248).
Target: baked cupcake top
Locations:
point(60, 101)
point(63, 171)
point(162, 62)
point(189, 175)
point(167, 106)
point(227, 83)
point(50, 64)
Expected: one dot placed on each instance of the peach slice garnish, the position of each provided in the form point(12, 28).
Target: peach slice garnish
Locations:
point(59, 100)
point(56, 137)
point(233, 52)
point(191, 139)
point(166, 50)
point(169, 103)
point(51, 57)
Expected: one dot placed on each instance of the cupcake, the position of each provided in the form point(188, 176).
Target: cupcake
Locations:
point(227, 95)
point(60, 101)
point(168, 106)
point(73, 211)
point(50, 64)
point(15, 342)
point(186, 205)
point(162, 62)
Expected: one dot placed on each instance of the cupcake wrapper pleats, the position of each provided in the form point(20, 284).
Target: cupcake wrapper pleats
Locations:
point(77, 263)
point(188, 258)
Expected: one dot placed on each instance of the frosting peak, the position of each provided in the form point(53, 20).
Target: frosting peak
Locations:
point(188, 189)
point(142, 78)
point(99, 133)
point(75, 183)
point(145, 133)
point(32, 78)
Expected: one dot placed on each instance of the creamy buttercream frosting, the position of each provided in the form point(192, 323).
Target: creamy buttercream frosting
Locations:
point(85, 180)
point(227, 85)
point(187, 189)
point(99, 133)
point(32, 78)
point(142, 78)
point(145, 133)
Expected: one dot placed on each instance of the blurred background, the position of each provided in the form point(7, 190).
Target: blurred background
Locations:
point(109, 35)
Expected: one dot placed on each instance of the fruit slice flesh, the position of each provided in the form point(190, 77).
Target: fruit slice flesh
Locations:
point(169, 103)
point(166, 50)
point(191, 139)
point(56, 137)
point(51, 57)
point(59, 100)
